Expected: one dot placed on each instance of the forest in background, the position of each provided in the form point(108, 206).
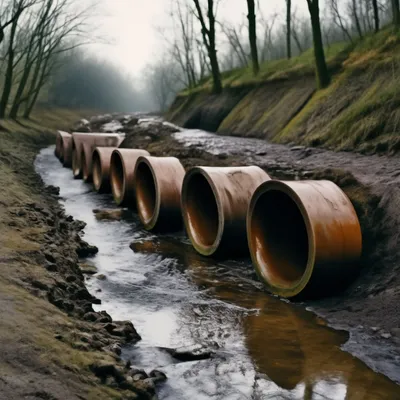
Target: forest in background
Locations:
point(44, 56)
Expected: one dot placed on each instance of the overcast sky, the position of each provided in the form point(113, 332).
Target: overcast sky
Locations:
point(132, 27)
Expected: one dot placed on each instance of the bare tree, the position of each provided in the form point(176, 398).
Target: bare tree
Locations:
point(234, 37)
point(266, 26)
point(338, 20)
point(209, 39)
point(396, 13)
point(288, 28)
point(162, 81)
point(354, 11)
point(322, 73)
point(17, 9)
point(251, 16)
point(376, 15)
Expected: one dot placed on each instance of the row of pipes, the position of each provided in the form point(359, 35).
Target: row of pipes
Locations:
point(304, 237)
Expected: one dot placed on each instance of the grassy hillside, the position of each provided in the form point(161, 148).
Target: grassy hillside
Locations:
point(358, 111)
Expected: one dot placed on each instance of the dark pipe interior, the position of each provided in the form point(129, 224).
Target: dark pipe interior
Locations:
point(145, 191)
point(279, 238)
point(96, 167)
point(201, 210)
point(117, 175)
point(75, 166)
point(84, 165)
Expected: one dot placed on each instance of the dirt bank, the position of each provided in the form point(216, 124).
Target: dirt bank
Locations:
point(358, 111)
point(369, 307)
point(53, 345)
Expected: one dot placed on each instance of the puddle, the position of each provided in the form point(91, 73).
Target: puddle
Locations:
point(263, 348)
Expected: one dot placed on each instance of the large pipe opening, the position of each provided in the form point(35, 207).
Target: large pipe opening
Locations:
point(117, 177)
point(279, 239)
point(75, 162)
point(145, 191)
point(201, 211)
point(84, 165)
point(61, 151)
point(96, 170)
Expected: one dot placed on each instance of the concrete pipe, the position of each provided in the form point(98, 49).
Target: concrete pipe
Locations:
point(59, 144)
point(101, 161)
point(66, 151)
point(158, 183)
point(214, 204)
point(122, 171)
point(304, 237)
point(91, 140)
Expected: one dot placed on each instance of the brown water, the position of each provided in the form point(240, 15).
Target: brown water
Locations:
point(263, 347)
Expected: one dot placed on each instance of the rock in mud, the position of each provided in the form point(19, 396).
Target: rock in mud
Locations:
point(114, 215)
point(157, 376)
point(88, 269)
point(84, 249)
point(188, 354)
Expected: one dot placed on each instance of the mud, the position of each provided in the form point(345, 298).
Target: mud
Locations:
point(54, 345)
point(208, 325)
point(368, 309)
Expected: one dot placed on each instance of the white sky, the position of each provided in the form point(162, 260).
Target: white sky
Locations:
point(131, 25)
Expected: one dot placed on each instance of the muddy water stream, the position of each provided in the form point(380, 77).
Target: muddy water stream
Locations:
point(262, 347)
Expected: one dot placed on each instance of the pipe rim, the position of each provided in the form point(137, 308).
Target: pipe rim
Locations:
point(149, 223)
point(119, 196)
point(84, 165)
point(206, 250)
point(301, 283)
point(97, 170)
point(76, 169)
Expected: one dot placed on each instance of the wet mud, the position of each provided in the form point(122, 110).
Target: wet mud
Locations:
point(250, 344)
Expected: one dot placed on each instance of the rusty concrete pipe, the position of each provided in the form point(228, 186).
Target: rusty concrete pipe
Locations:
point(158, 183)
point(101, 162)
point(66, 151)
point(304, 237)
point(59, 144)
point(91, 140)
point(122, 169)
point(214, 204)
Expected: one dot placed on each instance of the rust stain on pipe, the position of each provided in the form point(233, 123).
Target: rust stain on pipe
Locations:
point(59, 150)
point(101, 161)
point(158, 183)
point(214, 204)
point(304, 237)
point(91, 140)
point(122, 169)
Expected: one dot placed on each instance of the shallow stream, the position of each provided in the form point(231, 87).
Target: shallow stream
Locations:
point(262, 347)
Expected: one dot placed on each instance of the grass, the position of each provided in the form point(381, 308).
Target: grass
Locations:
point(277, 69)
point(359, 110)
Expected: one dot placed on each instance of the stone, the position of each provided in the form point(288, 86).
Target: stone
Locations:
point(49, 257)
point(90, 316)
point(86, 250)
point(157, 376)
point(112, 214)
point(101, 277)
point(386, 335)
point(88, 269)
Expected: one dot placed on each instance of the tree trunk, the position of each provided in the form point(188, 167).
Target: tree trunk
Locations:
point(21, 87)
point(321, 69)
point(288, 28)
point(9, 71)
point(32, 88)
point(356, 19)
point(376, 14)
point(251, 16)
point(396, 13)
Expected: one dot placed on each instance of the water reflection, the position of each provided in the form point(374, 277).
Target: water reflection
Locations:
point(264, 348)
